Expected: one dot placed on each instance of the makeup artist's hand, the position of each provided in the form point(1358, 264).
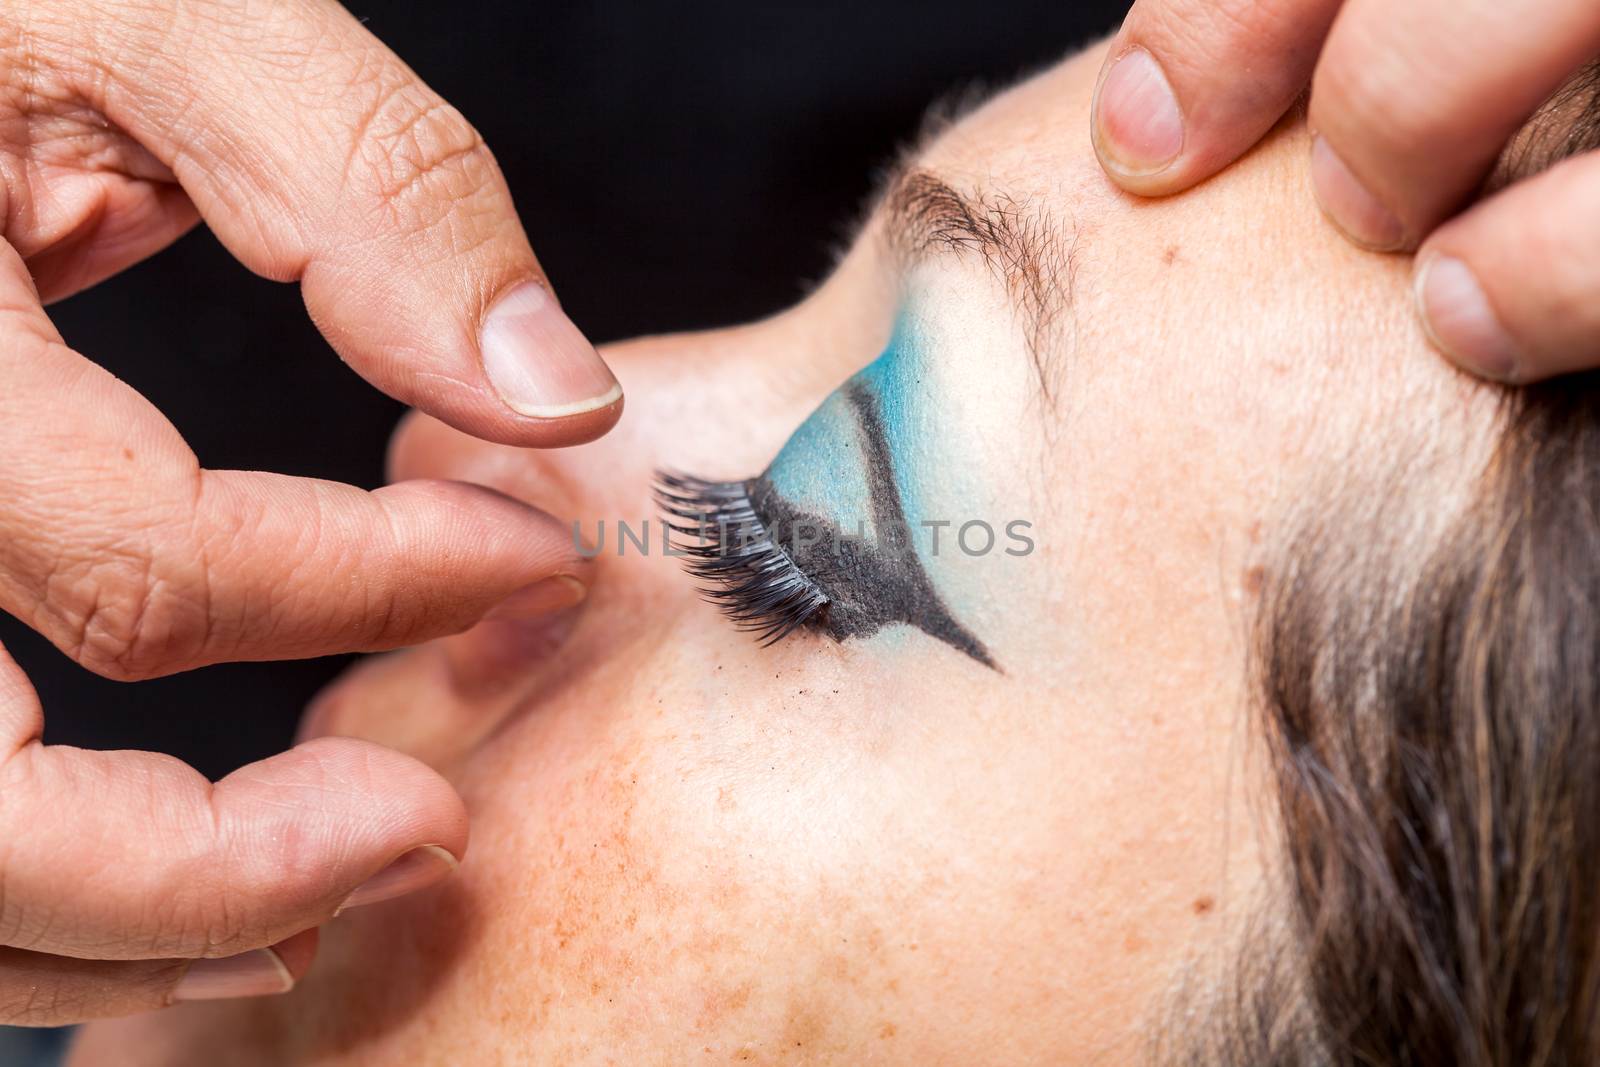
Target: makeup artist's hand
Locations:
point(318, 157)
point(1413, 102)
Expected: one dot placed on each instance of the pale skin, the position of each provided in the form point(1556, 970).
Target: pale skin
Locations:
point(690, 849)
point(316, 157)
point(1413, 102)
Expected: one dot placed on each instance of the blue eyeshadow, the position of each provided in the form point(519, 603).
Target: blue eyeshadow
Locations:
point(855, 468)
point(821, 468)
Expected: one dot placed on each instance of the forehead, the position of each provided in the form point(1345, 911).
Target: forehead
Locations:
point(1233, 309)
point(1228, 363)
point(1030, 141)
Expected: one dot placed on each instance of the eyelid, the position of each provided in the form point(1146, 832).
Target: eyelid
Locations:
point(925, 217)
point(847, 587)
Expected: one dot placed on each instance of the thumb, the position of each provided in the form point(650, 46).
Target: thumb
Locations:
point(1189, 86)
point(133, 855)
point(326, 160)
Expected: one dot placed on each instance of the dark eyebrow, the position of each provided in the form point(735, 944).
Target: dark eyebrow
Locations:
point(1033, 257)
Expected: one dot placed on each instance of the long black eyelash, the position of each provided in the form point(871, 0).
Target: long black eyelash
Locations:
point(745, 572)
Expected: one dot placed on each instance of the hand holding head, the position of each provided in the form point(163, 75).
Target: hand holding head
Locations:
point(1413, 105)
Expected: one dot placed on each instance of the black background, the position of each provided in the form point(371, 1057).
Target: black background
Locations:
point(678, 165)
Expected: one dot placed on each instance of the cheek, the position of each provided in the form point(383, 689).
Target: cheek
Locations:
point(665, 900)
point(745, 867)
point(722, 860)
point(617, 897)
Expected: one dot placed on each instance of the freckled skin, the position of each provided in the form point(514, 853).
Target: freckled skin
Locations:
point(688, 849)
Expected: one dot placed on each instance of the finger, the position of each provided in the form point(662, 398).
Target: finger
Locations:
point(134, 561)
point(324, 159)
point(1191, 85)
point(133, 855)
point(93, 228)
point(80, 199)
point(1413, 102)
point(1508, 290)
point(38, 989)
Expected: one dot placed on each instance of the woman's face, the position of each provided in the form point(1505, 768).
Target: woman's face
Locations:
point(689, 848)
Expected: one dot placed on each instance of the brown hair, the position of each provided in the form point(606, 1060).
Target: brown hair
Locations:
point(1434, 726)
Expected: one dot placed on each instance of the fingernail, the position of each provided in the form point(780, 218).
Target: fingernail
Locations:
point(1461, 322)
point(249, 974)
point(541, 598)
point(537, 360)
point(1350, 205)
point(1137, 118)
point(417, 869)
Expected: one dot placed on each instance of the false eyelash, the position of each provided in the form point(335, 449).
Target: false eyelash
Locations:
point(749, 577)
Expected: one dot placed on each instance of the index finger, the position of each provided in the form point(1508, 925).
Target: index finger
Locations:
point(117, 546)
point(317, 156)
point(1414, 102)
point(134, 855)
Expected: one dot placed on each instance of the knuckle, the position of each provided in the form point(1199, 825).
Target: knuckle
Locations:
point(393, 613)
point(1238, 22)
point(1384, 98)
point(414, 157)
point(1201, 34)
point(120, 615)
